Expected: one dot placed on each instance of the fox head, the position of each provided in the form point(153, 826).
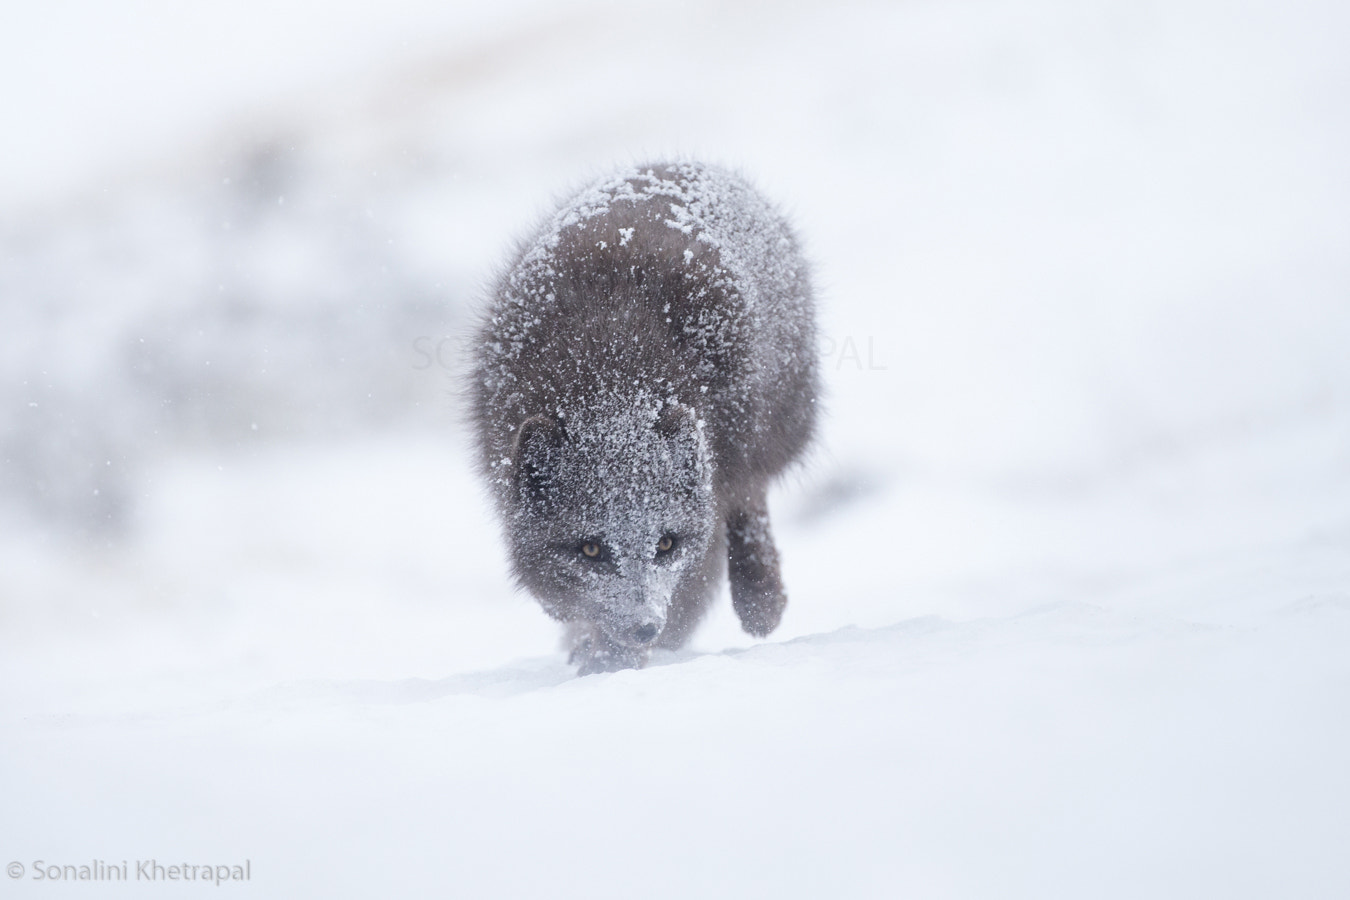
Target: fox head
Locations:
point(608, 512)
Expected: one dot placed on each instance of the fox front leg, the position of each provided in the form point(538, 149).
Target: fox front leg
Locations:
point(592, 652)
point(752, 568)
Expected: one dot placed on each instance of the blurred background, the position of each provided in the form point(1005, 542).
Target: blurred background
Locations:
point(1082, 268)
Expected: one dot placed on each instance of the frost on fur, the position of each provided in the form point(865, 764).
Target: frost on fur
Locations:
point(644, 370)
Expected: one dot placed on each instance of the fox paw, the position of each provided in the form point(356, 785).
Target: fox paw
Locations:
point(758, 604)
point(592, 654)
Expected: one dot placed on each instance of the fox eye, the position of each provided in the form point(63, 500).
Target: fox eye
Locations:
point(590, 549)
point(666, 544)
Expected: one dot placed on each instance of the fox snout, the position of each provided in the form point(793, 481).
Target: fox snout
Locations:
point(643, 629)
point(636, 635)
point(639, 621)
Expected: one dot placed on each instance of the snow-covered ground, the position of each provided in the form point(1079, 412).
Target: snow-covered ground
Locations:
point(1069, 570)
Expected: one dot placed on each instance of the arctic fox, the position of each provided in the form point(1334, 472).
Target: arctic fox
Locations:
point(645, 368)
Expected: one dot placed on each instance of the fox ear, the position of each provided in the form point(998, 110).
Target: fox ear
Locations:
point(679, 425)
point(537, 451)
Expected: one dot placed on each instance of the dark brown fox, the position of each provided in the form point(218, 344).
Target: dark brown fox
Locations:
point(645, 369)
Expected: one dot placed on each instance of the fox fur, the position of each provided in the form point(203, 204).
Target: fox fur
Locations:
point(645, 368)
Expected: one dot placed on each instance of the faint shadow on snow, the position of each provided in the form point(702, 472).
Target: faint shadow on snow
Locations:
point(1069, 623)
point(910, 645)
point(1074, 623)
point(520, 677)
point(1318, 604)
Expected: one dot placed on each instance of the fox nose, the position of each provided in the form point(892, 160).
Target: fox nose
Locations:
point(646, 634)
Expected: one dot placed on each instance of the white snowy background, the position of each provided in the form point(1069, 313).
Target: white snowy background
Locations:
point(1069, 569)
